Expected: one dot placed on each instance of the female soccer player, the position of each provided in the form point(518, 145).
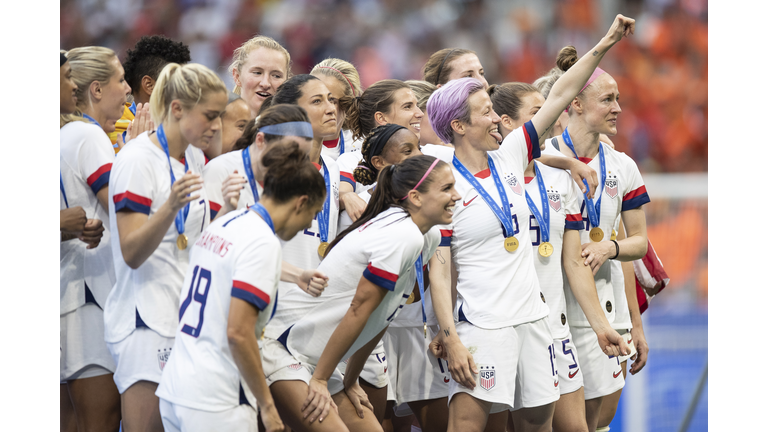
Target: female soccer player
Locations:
point(374, 264)
point(555, 223)
point(87, 272)
point(453, 63)
point(214, 379)
point(343, 81)
point(233, 121)
point(258, 67)
point(423, 90)
point(158, 209)
point(621, 195)
point(482, 250)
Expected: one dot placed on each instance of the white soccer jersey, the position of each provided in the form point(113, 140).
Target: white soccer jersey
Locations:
point(301, 250)
point(86, 158)
point(444, 153)
point(344, 220)
point(341, 146)
point(217, 170)
point(237, 256)
point(564, 213)
point(141, 182)
point(623, 190)
point(384, 251)
point(496, 288)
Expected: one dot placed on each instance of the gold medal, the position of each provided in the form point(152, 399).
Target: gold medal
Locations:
point(411, 298)
point(546, 249)
point(613, 235)
point(322, 249)
point(262, 332)
point(511, 244)
point(425, 330)
point(596, 234)
point(181, 242)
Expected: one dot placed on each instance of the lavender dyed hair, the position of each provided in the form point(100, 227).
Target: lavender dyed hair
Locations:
point(451, 102)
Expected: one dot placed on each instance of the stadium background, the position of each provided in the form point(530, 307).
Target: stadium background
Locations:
point(662, 75)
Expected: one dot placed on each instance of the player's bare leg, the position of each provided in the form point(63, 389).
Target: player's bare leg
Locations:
point(611, 403)
point(467, 414)
point(97, 403)
point(570, 414)
point(593, 412)
point(497, 422)
point(432, 414)
point(289, 396)
point(537, 419)
point(348, 414)
point(141, 408)
point(377, 397)
point(67, 418)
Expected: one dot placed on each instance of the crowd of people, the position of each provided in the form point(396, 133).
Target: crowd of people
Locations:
point(307, 252)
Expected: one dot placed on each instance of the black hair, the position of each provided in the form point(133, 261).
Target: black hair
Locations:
point(290, 174)
point(289, 92)
point(150, 55)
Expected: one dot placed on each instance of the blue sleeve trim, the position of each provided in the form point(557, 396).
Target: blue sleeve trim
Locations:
point(249, 297)
point(100, 182)
point(378, 280)
point(127, 204)
point(571, 225)
point(635, 202)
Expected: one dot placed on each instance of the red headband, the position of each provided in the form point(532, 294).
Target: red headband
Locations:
point(422, 179)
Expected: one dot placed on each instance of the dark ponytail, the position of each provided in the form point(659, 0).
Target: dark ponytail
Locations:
point(394, 182)
point(377, 98)
point(290, 174)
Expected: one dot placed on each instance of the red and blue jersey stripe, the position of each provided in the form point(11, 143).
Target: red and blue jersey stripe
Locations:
point(131, 201)
point(635, 199)
point(574, 221)
point(380, 277)
point(445, 237)
point(251, 294)
point(531, 140)
point(349, 178)
point(99, 178)
point(214, 209)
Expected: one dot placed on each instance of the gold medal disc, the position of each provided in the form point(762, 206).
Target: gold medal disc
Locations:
point(546, 249)
point(613, 234)
point(322, 249)
point(596, 234)
point(511, 244)
point(411, 298)
point(181, 242)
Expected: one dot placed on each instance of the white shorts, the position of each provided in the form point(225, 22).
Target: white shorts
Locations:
point(280, 365)
point(141, 356)
point(84, 353)
point(628, 339)
point(177, 418)
point(537, 382)
point(568, 373)
point(414, 373)
point(602, 375)
point(375, 370)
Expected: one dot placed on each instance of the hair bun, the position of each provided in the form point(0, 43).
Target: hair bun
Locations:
point(567, 57)
point(491, 89)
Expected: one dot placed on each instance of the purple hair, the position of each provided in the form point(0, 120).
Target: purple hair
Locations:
point(451, 102)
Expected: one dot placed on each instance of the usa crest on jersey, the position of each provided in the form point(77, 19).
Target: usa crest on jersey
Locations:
point(487, 377)
point(612, 185)
point(554, 199)
point(515, 184)
point(162, 357)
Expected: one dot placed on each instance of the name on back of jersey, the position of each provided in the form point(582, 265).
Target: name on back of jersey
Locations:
point(214, 243)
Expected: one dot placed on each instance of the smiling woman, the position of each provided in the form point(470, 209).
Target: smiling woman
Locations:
point(258, 67)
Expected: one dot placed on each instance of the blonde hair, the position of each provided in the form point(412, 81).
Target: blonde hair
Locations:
point(422, 90)
point(241, 55)
point(88, 64)
point(343, 71)
point(189, 83)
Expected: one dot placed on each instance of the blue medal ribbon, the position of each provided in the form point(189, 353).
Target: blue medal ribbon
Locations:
point(420, 280)
point(259, 208)
point(91, 119)
point(341, 143)
point(543, 217)
point(323, 219)
point(132, 108)
point(593, 209)
point(249, 173)
point(505, 216)
point(61, 180)
point(180, 218)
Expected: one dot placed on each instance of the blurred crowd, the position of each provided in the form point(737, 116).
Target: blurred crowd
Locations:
point(661, 72)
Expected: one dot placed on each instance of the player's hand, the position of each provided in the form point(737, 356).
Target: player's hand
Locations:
point(461, 364)
point(612, 343)
point(581, 172)
point(313, 282)
point(72, 220)
point(622, 27)
point(359, 398)
point(230, 189)
point(319, 402)
point(597, 253)
point(641, 345)
point(354, 205)
point(436, 347)
point(271, 418)
point(141, 123)
point(181, 191)
point(92, 233)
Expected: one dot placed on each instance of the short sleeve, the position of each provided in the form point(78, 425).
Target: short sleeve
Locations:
point(521, 146)
point(132, 185)
point(573, 218)
point(635, 194)
point(214, 175)
point(95, 158)
point(387, 254)
point(446, 234)
point(255, 279)
point(347, 164)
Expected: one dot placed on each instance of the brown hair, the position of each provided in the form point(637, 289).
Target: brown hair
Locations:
point(422, 90)
point(290, 173)
point(507, 98)
point(276, 114)
point(438, 67)
point(377, 98)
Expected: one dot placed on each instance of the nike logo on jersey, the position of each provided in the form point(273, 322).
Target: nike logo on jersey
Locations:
point(466, 203)
point(446, 379)
point(571, 375)
point(616, 374)
point(557, 383)
point(629, 341)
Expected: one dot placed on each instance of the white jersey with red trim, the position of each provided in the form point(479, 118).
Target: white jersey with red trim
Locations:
point(217, 171)
point(347, 164)
point(301, 250)
point(623, 190)
point(564, 213)
point(496, 288)
point(141, 182)
point(86, 158)
point(238, 256)
point(444, 153)
point(384, 251)
point(332, 148)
